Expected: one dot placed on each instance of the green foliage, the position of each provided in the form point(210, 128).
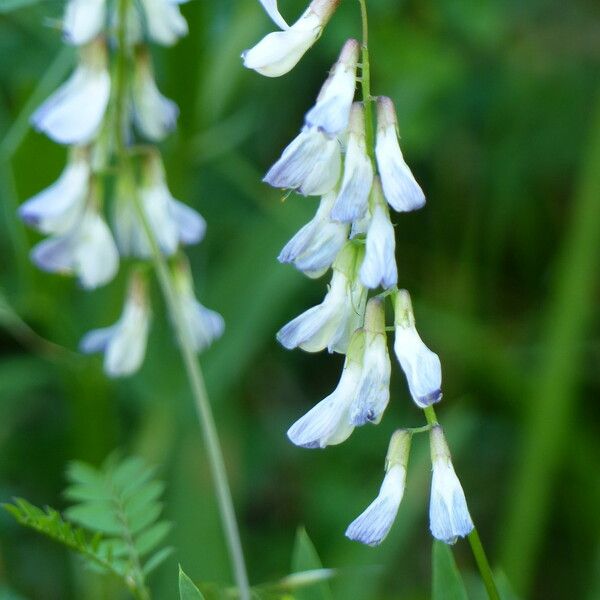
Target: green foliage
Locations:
point(187, 588)
point(7, 6)
point(447, 583)
point(305, 558)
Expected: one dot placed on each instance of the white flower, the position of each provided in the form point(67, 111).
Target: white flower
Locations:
point(203, 325)
point(331, 112)
point(74, 113)
point(153, 114)
point(379, 266)
point(353, 198)
point(310, 164)
point(86, 250)
point(449, 516)
point(373, 390)
point(59, 206)
point(314, 248)
point(328, 423)
point(164, 21)
point(171, 221)
point(421, 366)
point(83, 20)
point(279, 52)
point(373, 525)
point(331, 323)
point(124, 343)
point(400, 188)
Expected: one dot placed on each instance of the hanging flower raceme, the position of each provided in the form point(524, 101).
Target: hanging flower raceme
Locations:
point(83, 20)
point(73, 114)
point(373, 525)
point(448, 513)
point(124, 343)
point(279, 52)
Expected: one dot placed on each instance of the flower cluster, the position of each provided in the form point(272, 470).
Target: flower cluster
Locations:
point(358, 181)
point(110, 95)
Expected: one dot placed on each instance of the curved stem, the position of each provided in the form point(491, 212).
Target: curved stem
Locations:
point(366, 78)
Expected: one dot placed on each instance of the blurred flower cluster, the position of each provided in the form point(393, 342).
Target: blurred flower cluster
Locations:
point(110, 99)
point(358, 180)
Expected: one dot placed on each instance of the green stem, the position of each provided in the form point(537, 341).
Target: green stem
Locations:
point(366, 79)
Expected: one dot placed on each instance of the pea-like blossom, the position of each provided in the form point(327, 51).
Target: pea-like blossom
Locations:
point(59, 206)
point(421, 366)
point(154, 115)
point(124, 343)
point(400, 188)
point(316, 245)
point(86, 250)
point(379, 265)
point(372, 526)
point(83, 20)
point(353, 197)
point(73, 113)
point(449, 516)
point(328, 423)
point(279, 52)
point(164, 22)
point(373, 390)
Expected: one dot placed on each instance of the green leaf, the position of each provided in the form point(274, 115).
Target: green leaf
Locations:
point(7, 6)
point(447, 582)
point(305, 558)
point(187, 589)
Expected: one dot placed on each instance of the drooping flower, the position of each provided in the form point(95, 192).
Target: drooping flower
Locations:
point(449, 516)
point(421, 366)
point(379, 266)
point(204, 326)
point(331, 112)
point(124, 343)
point(353, 198)
point(83, 20)
point(373, 525)
point(400, 188)
point(172, 221)
point(59, 206)
point(279, 52)
point(373, 389)
point(74, 113)
point(153, 114)
point(328, 423)
point(164, 22)
point(310, 164)
point(86, 250)
point(316, 245)
point(331, 323)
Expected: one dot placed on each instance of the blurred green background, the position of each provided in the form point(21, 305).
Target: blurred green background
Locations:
point(499, 112)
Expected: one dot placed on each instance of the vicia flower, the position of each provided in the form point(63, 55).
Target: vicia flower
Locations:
point(73, 114)
point(203, 325)
point(400, 188)
point(310, 164)
point(124, 343)
point(331, 111)
point(153, 114)
point(379, 266)
point(421, 366)
point(87, 250)
point(353, 198)
point(373, 389)
point(172, 221)
point(331, 323)
point(164, 21)
point(328, 423)
point(314, 248)
point(449, 516)
point(83, 20)
point(373, 525)
point(58, 207)
point(279, 52)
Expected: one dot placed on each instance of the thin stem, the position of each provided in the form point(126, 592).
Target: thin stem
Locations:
point(366, 78)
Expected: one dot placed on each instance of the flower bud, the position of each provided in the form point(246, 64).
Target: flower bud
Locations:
point(400, 188)
point(83, 20)
point(421, 366)
point(448, 513)
point(124, 343)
